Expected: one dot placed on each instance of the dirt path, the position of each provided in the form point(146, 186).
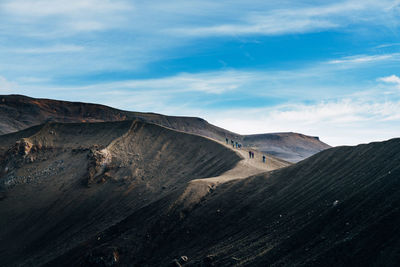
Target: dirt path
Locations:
point(247, 167)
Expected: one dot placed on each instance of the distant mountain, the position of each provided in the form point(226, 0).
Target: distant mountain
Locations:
point(340, 207)
point(20, 112)
point(292, 147)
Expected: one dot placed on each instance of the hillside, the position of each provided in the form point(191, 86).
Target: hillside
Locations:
point(340, 207)
point(62, 183)
point(20, 112)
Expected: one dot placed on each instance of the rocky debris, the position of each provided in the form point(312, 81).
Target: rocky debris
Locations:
point(102, 257)
point(23, 151)
point(35, 176)
point(23, 147)
point(98, 161)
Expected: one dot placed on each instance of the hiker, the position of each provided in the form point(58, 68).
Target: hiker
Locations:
point(233, 143)
point(263, 158)
point(249, 154)
point(252, 155)
point(236, 144)
point(226, 139)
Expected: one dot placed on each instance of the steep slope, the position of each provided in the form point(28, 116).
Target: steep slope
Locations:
point(60, 184)
point(340, 207)
point(20, 112)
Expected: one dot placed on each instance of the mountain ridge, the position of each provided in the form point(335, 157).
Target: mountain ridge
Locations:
point(19, 112)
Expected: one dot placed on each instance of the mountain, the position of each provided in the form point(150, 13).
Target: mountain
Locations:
point(62, 183)
point(20, 112)
point(340, 207)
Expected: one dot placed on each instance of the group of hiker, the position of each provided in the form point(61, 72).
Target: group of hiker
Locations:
point(234, 143)
point(237, 145)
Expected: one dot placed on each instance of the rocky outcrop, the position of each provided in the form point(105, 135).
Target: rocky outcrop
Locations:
point(98, 164)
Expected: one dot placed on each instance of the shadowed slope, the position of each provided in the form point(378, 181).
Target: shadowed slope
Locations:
point(337, 208)
point(62, 183)
point(20, 112)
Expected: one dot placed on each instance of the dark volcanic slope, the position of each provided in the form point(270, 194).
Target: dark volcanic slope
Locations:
point(340, 207)
point(20, 112)
point(60, 184)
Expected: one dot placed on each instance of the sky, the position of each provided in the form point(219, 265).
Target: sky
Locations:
point(322, 68)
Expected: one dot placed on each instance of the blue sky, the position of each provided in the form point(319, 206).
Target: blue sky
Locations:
point(326, 68)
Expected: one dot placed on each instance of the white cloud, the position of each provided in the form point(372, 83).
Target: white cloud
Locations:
point(266, 26)
point(391, 79)
point(297, 19)
point(49, 50)
point(208, 82)
point(341, 122)
point(359, 59)
point(43, 8)
point(387, 45)
point(32, 80)
point(47, 17)
point(198, 18)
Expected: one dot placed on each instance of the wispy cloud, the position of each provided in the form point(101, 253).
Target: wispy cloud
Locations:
point(359, 59)
point(260, 26)
point(43, 8)
point(45, 17)
point(49, 50)
point(387, 45)
point(209, 83)
point(296, 19)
